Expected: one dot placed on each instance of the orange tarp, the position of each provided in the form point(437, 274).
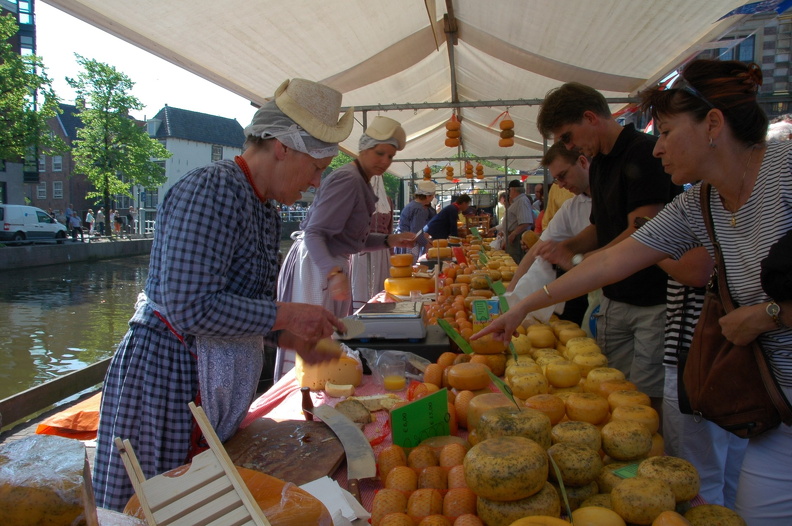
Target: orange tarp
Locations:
point(80, 421)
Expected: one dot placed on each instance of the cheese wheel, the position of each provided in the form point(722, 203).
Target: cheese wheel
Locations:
point(566, 334)
point(440, 243)
point(587, 407)
point(596, 516)
point(628, 397)
point(540, 509)
point(496, 362)
point(709, 514)
point(575, 432)
point(607, 478)
point(515, 370)
point(641, 500)
point(400, 272)
point(403, 286)
point(549, 404)
point(625, 440)
point(506, 468)
point(601, 374)
point(480, 404)
point(527, 385)
point(542, 338)
point(441, 252)
point(578, 465)
point(643, 414)
point(487, 344)
point(611, 386)
point(401, 260)
point(511, 421)
point(468, 376)
point(681, 475)
point(344, 371)
point(577, 494)
point(562, 373)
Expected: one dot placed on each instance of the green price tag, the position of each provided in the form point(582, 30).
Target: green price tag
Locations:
point(561, 485)
point(462, 343)
point(513, 351)
point(474, 230)
point(424, 418)
point(627, 471)
point(504, 388)
point(504, 304)
point(483, 258)
point(498, 287)
point(481, 311)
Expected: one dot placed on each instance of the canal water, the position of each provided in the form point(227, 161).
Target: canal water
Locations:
point(60, 318)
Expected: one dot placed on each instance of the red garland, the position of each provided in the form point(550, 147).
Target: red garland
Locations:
point(246, 170)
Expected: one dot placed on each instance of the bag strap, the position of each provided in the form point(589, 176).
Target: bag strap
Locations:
point(775, 393)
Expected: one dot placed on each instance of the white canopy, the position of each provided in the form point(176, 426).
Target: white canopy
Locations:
point(504, 54)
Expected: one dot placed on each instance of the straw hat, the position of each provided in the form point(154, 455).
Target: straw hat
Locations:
point(425, 188)
point(315, 107)
point(384, 128)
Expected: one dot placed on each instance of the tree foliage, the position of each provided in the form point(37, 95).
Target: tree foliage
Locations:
point(111, 149)
point(392, 182)
point(27, 100)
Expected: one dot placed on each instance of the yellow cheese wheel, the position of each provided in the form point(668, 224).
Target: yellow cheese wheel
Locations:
point(542, 338)
point(403, 286)
point(640, 500)
point(440, 243)
point(482, 403)
point(541, 509)
point(627, 397)
point(625, 440)
point(587, 407)
point(401, 260)
point(681, 475)
point(549, 404)
point(527, 385)
point(468, 376)
point(511, 421)
point(608, 479)
point(611, 386)
point(601, 374)
point(566, 334)
point(495, 361)
point(596, 516)
point(575, 432)
point(577, 494)
point(400, 272)
point(587, 362)
point(441, 252)
point(643, 414)
point(506, 468)
point(708, 514)
point(579, 465)
point(562, 373)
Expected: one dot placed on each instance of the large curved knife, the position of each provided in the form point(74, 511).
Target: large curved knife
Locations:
point(361, 463)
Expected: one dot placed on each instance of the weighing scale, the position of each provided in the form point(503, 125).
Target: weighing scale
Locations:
point(404, 320)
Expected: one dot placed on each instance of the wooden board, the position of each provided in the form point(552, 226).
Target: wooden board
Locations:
point(296, 451)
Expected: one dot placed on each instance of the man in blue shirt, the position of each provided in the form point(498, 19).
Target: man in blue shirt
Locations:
point(444, 224)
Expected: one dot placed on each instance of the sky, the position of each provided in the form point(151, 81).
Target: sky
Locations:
point(157, 82)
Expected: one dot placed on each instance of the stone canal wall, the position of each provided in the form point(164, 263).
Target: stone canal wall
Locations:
point(26, 256)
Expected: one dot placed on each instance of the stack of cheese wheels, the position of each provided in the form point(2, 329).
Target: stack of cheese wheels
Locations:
point(402, 281)
point(439, 249)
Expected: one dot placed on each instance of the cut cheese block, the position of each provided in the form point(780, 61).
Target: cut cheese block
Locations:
point(344, 371)
point(337, 391)
point(45, 479)
point(403, 286)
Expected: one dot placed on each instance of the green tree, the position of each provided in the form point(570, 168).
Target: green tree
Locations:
point(27, 100)
point(112, 150)
point(392, 182)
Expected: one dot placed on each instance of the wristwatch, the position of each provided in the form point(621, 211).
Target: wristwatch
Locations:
point(774, 311)
point(577, 259)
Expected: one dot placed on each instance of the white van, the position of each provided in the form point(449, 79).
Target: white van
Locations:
point(20, 223)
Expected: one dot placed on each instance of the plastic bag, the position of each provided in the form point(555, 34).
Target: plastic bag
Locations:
point(540, 274)
point(377, 359)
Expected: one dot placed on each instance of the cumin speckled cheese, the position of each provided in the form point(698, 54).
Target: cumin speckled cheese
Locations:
point(680, 474)
point(578, 464)
point(506, 468)
point(640, 500)
point(713, 514)
point(503, 513)
point(577, 494)
point(625, 440)
point(577, 432)
point(511, 421)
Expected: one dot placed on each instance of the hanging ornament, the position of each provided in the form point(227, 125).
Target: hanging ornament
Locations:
point(479, 171)
point(507, 131)
point(453, 131)
point(449, 172)
point(427, 173)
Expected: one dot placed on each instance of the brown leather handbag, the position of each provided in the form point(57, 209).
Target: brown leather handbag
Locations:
point(730, 385)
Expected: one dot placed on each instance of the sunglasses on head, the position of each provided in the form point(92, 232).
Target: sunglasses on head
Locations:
point(682, 84)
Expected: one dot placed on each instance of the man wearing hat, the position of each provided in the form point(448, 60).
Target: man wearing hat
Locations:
point(519, 218)
point(416, 214)
point(209, 306)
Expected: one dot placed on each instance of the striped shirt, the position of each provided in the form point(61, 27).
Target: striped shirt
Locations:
point(683, 307)
point(761, 221)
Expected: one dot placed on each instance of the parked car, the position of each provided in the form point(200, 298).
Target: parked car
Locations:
point(19, 223)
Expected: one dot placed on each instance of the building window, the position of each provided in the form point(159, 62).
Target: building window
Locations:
point(744, 51)
point(57, 163)
point(217, 152)
point(41, 191)
point(57, 189)
point(42, 163)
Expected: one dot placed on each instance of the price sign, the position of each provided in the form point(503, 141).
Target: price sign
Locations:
point(424, 418)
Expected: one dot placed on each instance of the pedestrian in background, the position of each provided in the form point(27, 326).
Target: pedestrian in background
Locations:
point(89, 220)
point(100, 219)
point(76, 227)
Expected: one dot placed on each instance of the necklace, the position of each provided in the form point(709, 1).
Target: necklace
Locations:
point(733, 220)
point(243, 165)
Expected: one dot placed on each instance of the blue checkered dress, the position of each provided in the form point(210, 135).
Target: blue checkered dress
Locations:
point(213, 272)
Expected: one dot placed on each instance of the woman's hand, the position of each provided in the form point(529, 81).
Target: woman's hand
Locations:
point(503, 327)
point(404, 240)
point(310, 322)
point(744, 324)
point(311, 351)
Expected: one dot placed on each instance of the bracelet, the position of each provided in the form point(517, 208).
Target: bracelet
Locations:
point(387, 245)
point(544, 288)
